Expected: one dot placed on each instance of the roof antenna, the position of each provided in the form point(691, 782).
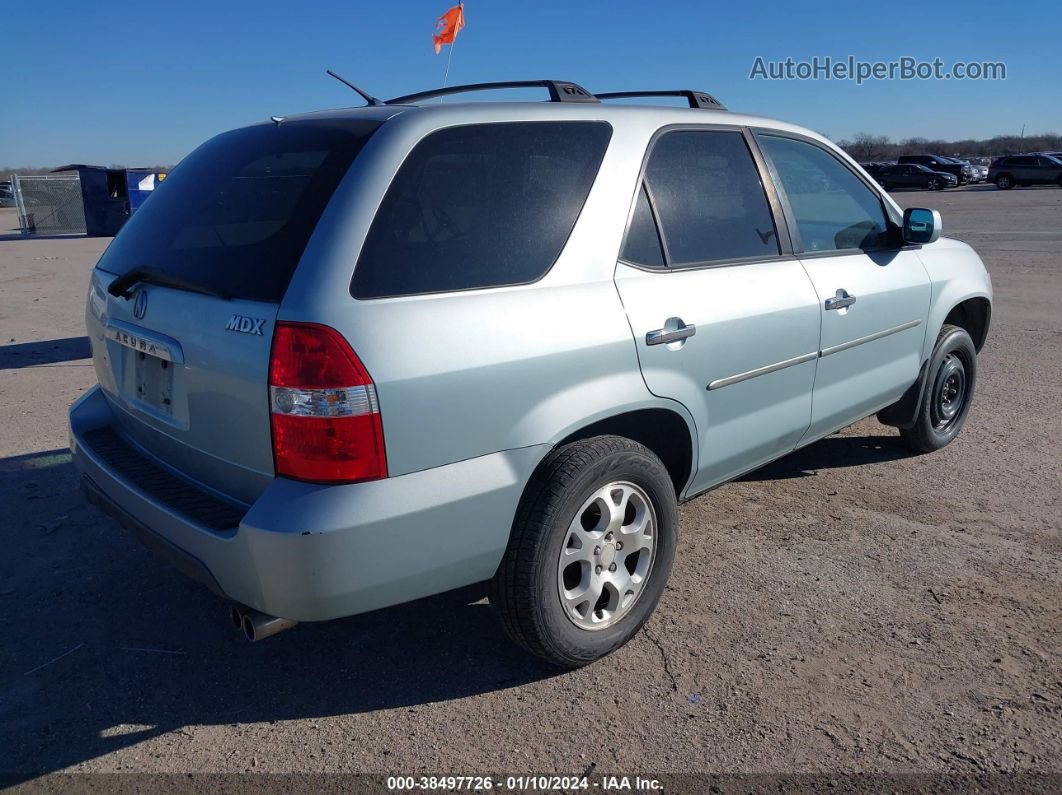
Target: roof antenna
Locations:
point(369, 98)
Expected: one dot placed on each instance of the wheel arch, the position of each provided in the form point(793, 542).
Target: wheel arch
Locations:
point(664, 430)
point(974, 315)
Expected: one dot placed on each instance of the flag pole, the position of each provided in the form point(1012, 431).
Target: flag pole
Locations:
point(450, 57)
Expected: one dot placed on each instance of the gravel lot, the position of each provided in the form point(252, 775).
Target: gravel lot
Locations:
point(848, 608)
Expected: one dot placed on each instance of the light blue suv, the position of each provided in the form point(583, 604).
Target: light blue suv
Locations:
point(357, 357)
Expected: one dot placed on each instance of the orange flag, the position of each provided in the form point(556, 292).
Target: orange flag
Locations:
point(448, 26)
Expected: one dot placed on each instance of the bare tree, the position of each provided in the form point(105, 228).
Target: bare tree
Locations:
point(865, 147)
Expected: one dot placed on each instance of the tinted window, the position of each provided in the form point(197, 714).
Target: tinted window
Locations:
point(236, 213)
point(480, 206)
point(834, 209)
point(1022, 161)
point(643, 240)
point(709, 199)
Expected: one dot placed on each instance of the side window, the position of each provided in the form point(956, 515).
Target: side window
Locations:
point(480, 205)
point(643, 241)
point(833, 208)
point(708, 198)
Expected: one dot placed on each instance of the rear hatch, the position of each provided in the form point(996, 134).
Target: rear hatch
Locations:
point(183, 303)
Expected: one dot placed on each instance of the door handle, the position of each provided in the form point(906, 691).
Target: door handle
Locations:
point(673, 331)
point(841, 300)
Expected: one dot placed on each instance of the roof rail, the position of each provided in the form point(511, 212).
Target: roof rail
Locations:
point(559, 91)
point(697, 99)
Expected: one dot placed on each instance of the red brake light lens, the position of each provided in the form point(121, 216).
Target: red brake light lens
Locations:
point(310, 355)
point(325, 416)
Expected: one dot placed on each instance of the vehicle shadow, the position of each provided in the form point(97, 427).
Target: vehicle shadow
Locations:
point(28, 354)
point(833, 452)
point(106, 646)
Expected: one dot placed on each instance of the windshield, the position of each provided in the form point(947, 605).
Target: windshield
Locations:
point(235, 215)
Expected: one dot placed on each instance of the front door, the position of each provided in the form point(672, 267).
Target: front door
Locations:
point(873, 292)
point(723, 322)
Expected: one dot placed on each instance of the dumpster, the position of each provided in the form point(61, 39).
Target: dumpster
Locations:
point(111, 195)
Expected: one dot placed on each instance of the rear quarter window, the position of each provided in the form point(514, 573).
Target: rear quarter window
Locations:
point(481, 205)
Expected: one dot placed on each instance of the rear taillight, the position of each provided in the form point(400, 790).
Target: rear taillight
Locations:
point(325, 418)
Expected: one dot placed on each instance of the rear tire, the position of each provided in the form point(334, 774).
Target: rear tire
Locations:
point(563, 548)
point(947, 393)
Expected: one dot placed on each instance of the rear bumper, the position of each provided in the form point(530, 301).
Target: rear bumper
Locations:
point(309, 552)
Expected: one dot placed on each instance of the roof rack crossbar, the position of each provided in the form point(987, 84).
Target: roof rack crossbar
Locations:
point(696, 99)
point(559, 91)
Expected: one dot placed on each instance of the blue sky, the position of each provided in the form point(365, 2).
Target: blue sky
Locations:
point(145, 82)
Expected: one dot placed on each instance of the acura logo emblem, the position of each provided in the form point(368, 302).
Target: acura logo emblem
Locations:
point(140, 305)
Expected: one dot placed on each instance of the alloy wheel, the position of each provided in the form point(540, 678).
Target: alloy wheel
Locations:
point(607, 555)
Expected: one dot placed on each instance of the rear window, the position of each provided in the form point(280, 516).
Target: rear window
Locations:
point(481, 205)
point(235, 214)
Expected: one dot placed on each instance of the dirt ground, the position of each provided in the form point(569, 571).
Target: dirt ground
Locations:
point(851, 607)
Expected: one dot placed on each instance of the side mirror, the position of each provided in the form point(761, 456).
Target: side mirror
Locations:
point(921, 226)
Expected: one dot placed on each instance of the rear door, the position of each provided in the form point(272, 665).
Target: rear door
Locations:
point(182, 304)
point(1023, 168)
point(873, 292)
point(909, 176)
point(725, 321)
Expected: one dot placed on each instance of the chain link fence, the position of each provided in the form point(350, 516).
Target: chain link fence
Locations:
point(49, 205)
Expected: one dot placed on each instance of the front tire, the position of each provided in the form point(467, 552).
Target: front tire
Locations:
point(590, 551)
point(1004, 182)
point(947, 393)
point(934, 184)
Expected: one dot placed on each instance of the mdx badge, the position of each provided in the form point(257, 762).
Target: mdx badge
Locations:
point(245, 325)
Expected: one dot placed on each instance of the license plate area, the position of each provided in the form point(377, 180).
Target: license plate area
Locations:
point(153, 381)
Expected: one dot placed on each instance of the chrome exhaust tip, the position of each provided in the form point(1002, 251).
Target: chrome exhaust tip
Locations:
point(236, 617)
point(259, 626)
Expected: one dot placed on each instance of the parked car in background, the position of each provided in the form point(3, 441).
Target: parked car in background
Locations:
point(7, 195)
point(442, 344)
point(913, 175)
point(873, 168)
point(961, 172)
point(975, 173)
point(1007, 172)
point(969, 171)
